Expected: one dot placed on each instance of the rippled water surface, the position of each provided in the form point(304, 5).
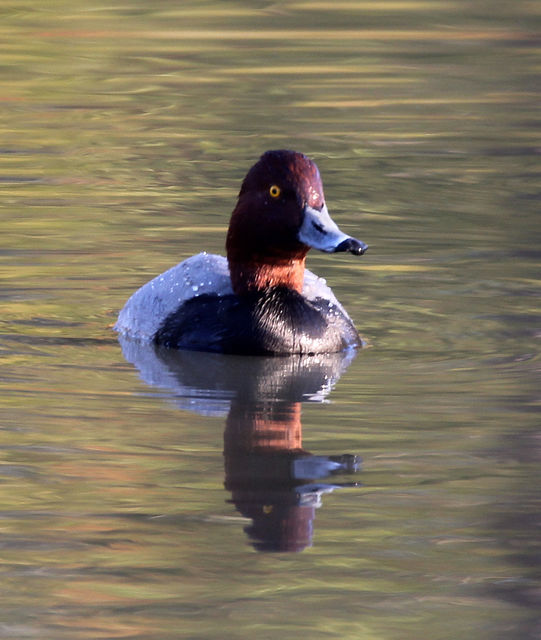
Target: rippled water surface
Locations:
point(393, 495)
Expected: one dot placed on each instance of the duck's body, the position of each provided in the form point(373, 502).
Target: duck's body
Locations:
point(193, 303)
point(261, 299)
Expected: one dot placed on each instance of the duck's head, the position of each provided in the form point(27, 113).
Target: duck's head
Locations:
point(281, 214)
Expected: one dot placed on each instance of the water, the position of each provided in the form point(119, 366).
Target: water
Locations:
point(142, 493)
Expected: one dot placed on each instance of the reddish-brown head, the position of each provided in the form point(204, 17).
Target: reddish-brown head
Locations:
point(280, 214)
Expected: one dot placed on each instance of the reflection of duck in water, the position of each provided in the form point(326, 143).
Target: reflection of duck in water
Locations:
point(260, 300)
point(272, 479)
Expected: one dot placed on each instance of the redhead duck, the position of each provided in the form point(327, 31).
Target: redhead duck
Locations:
point(261, 299)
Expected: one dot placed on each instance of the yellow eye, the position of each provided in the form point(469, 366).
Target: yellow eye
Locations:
point(275, 191)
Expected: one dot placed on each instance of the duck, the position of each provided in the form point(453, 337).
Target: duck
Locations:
point(260, 299)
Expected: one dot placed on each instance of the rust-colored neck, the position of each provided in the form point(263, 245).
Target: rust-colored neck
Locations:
point(263, 428)
point(254, 276)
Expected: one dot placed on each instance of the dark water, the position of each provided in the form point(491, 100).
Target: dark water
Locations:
point(142, 494)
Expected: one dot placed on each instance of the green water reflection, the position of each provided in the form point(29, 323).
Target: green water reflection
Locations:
point(126, 130)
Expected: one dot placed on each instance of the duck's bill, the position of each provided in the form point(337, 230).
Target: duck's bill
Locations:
point(319, 231)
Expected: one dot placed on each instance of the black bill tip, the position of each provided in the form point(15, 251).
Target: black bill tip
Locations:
point(352, 245)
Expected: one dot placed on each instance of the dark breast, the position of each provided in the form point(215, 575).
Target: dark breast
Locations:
point(273, 321)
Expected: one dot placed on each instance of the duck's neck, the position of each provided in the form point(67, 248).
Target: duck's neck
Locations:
point(255, 276)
